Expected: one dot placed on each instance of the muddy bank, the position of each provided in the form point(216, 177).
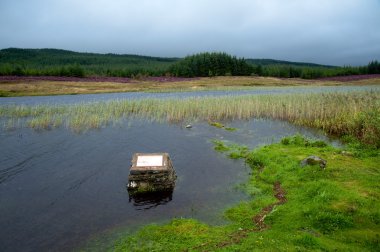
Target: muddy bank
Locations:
point(279, 194)
point(351, 77)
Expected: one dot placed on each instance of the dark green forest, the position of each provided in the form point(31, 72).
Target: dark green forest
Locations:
point(55, 62)
point(211, 64)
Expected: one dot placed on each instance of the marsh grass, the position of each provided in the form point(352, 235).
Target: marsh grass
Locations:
point(11, 124)
point(354, 113)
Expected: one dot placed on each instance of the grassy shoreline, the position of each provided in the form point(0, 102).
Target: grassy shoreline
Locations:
point(43, 88)
point(322, 210)
point(354, 114)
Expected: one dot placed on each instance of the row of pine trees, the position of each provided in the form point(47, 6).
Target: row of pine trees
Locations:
point(23, 62)
point(211, 64)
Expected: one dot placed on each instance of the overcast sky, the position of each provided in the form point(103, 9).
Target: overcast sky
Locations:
point(340, 32)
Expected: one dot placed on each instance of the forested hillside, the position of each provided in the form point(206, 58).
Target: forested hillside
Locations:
point(267, 62)
point(211, 64)
point(55, 62)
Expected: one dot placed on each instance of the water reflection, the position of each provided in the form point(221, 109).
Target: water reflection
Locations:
point(149, 200)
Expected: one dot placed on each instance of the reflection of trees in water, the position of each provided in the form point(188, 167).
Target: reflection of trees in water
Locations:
point(145, 201)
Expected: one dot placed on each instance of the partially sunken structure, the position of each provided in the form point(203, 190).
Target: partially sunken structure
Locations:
point(151, 172)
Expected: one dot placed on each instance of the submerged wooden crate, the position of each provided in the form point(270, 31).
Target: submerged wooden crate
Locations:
point(151, 172)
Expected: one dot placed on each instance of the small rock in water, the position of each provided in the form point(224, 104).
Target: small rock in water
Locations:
point(189, 126)
point(312, 160)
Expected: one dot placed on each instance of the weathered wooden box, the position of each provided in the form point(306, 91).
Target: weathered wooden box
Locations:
point(151, 172)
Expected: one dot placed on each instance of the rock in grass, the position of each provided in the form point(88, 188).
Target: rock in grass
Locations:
point(347, 153)
point(313, 160)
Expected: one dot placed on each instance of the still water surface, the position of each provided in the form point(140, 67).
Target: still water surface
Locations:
point(58, 188)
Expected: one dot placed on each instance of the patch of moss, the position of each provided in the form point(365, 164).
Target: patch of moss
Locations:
point(230, 129)
point(216, 124)
point(220, 146)
point(221, 126)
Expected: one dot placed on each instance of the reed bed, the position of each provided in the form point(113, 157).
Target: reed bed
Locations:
point(354, 113)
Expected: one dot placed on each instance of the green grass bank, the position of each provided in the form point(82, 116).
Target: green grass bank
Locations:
point(292, 208)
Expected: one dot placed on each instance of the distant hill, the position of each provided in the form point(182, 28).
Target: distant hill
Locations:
point(53, 62)
point(54, 57)
point(266, 62)
point(56, 62)
point(62, 57)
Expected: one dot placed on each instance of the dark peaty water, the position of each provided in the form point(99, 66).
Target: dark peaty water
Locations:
point(58, 188)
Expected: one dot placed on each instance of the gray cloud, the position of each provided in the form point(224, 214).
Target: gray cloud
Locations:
point(325, 31)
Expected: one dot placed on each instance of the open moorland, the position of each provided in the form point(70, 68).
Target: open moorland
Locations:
point(36, 86)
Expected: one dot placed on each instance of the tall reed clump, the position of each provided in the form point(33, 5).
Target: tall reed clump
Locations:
point(356, 113)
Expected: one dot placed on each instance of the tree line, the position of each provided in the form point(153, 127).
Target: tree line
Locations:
point(53, 62)
point(211, 64)
point(286, 71)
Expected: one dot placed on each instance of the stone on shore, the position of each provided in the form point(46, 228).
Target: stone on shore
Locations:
point(313, 160)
